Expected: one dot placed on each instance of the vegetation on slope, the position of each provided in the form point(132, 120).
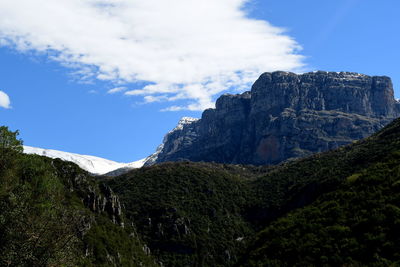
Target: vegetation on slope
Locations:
point(355, 225)
point(354, 212)
point(188, 213)
point(43, 221)
point(336, 208)
point(296, 184)
point(222, 206)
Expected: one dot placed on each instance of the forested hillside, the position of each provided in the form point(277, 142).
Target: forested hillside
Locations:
point(203, 213)
point(52, 213)
point(354, 213)
point(338, 208)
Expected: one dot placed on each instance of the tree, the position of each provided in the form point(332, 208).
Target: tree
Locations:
point(10, 146)
point(38, 227)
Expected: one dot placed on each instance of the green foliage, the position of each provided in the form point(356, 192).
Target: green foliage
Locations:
point(354, 211)
point(296, 184)
point(36, 227)
point(43, 220)
point(353, 178)
point(8, 140)
point(109, 244)
point(9, 147)
point(188, 213)
point(354, 225)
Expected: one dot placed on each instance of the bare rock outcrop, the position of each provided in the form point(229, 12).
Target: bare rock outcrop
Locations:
point(285, 116)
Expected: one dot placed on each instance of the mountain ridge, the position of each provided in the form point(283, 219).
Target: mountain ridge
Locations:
point(285, 116)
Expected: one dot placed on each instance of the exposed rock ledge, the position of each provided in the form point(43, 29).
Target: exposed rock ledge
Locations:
point(284, 116)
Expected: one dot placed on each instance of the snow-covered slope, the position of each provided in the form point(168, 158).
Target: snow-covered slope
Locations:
point(91, 164)
point(101, 166)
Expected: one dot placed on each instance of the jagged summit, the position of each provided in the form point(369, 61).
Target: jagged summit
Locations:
point(285, 116)
point(184, 121)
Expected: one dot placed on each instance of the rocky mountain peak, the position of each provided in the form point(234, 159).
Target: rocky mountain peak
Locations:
point(285, 116)
point(342, 91)
point(182, 122)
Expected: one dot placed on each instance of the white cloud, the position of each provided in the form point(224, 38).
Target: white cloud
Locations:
point(172, 108)
point(152, 98)
point(116, 90)
point(185, 49)
point(4, 100)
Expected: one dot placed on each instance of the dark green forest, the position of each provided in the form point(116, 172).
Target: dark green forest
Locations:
point(338, 208)
point(46, 219)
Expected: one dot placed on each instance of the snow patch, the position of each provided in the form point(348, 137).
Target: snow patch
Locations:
point(92, 164)
point(182, 122)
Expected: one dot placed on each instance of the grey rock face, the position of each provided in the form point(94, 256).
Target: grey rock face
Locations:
point(285, 116)
point(105, 201)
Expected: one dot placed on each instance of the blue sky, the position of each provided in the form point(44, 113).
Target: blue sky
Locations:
point(58, 78)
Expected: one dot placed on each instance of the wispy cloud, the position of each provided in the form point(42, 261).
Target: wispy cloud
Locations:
point(183, 49)
point(116, 90)
point(4, 100)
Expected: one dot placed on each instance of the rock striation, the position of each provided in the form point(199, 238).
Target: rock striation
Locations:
point(99, 198)
point(105, 201)
point(284, 116)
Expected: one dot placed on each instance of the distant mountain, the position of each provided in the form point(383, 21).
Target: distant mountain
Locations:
point(92, 164)
point(284, 116)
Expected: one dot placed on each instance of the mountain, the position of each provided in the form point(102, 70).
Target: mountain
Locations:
point(337, 208)
point(92, 164)
point(284, 116)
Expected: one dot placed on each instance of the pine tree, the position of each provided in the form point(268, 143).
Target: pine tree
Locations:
point(10, 147)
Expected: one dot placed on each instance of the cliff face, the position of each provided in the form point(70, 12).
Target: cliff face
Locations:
point(285, 116)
